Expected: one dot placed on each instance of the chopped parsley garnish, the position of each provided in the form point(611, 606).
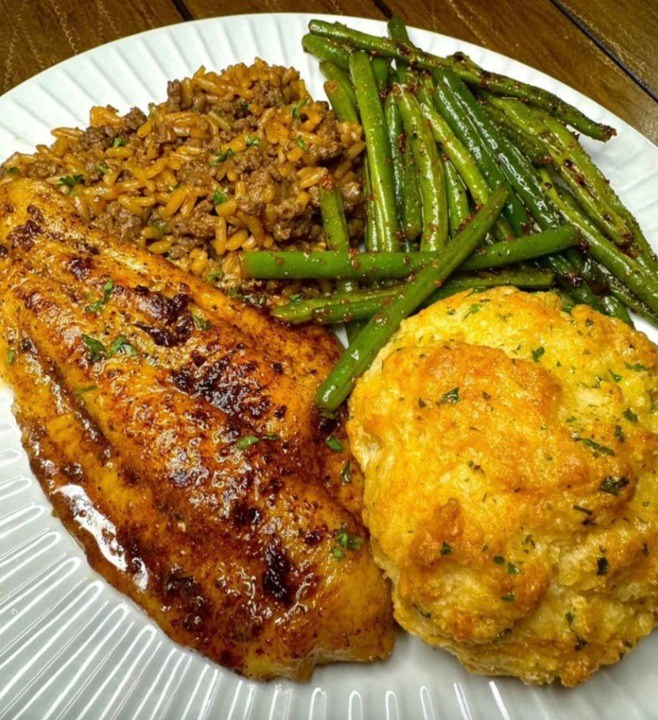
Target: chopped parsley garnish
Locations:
point(11, 356)
point(593, 444)
point(222, 157)
point(71, 180)
point(337, 553)
point(602, 566)
point(569, 617)
point(619, 433)
point(498, 559)
point(121, 345)
point(219, 197)
point(97, 350)
point(85, 389)
point(580, 508)
point(102, 168)
point(348, 541)
point(421, 403)
point(508, 597)
point(11, 170)
point(446, 549)
point(536, 354)
point(475, 308)
point(333, 443)
point(160, 226)
point(637, 367)
point(119, 141)
point(451, 397)
point(630, 415)
point(201, 323)
point(215, 275)
point(299, 140)
point(97, 306)
point(512, 569)
point(615, 377)
point(253, 141)
point(346, 472)
point(612, 485)
point(246, 441)
point(294, 111)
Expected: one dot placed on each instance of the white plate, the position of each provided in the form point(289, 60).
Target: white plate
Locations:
point(71, 646)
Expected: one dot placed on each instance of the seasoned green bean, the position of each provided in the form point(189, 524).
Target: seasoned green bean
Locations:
point(331, 71)
point(458, 209)
point(346, 307)
point(325, 49)
point(340, 102)
point(290, 264)
point(379, 151)
point(462, 125)
point(430, 171)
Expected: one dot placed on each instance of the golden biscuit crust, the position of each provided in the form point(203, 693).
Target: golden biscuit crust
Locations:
point(510, 454)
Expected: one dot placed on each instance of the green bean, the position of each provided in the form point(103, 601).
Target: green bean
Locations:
point(599, 185)
point(380, 68)
point(340, 102)
point(346, 307)
point(467, 70)
point(430, 171)
point(370, 235)
point(353, 328)
point(458, 209)
point(395, 130)
point(333, 217)
point(617, 288)
point(412, 207)
point(295, 265)
point(529, 145)
point(398, 33)
point(516, 168)
point(355, 361)
point(325, 49)
point(616, 309)
point(608, 201)
point(604, 251)
point(562, 146)
point(338, 238)
point(524, 248)
point(331, 71)
point(397, 30)
point(522, 176)
point(571, 282)
point(462, 125)
point(379, 151)
point(463, 161)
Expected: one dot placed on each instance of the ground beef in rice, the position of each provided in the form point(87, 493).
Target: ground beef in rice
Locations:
point(229, 162)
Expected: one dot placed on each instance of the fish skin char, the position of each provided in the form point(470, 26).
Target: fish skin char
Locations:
point(233, 550)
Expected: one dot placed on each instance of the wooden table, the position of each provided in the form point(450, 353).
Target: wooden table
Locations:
point(604, 49)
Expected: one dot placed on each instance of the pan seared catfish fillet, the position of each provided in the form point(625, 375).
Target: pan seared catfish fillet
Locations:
point(229, 537)
point(243, 360)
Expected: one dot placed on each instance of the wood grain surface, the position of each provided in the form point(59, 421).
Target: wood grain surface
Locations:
point(604, 49)
point(626, 30)
point(36, 34)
